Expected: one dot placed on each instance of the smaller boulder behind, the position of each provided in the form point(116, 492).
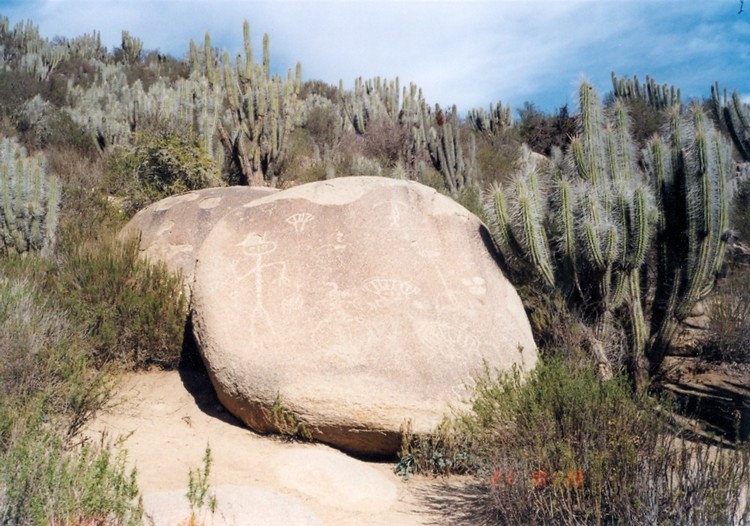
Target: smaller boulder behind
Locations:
point(173, 229)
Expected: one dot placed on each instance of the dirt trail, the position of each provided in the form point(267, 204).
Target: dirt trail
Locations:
point(170, 417)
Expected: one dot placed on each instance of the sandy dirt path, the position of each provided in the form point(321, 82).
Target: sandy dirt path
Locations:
point(170, 417)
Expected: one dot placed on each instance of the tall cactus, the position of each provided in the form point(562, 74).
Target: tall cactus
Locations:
point(30, 201)
point(588, 226)
point(690, 166)
point(132, 48)
point(733, 116)
point(446, 151)
point(498, 119)
point(261, 109)
point(658, 97)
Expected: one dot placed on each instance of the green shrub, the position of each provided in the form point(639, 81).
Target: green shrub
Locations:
point(47, 393)
point(157, 165)
point(45, 481)
point(563, 447)
point(41, 352)
point(134, 311)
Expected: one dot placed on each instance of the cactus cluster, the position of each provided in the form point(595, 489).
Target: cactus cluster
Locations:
point(30, 201)
point(656, 96)
point(733, 116)
point(370, 100)
point(589, 224)
point(27, 51)
point(132, 48)
point(262, 108)
point(496, 121)
point(447, 152)
point(690, 167)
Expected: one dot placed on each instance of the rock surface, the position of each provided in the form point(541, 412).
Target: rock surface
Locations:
point(236, 505)
point(173, 229)
point(352, 306)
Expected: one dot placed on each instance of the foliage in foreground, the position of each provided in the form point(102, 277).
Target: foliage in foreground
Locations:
point(134, 311)
point(562, 447)
point(48, 481)
point(48, 390)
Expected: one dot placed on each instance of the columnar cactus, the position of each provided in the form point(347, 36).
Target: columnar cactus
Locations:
point(30, 201)
point(690, 166)
point(370, 100)
point(733, 116)
point(588, 226)
point(498, 119)
point(261, 108)
point(132, 48)
point(658, 97)
point(446, 150)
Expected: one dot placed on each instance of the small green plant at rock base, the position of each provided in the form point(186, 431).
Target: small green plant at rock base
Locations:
point(287, 422)
point(199, 493)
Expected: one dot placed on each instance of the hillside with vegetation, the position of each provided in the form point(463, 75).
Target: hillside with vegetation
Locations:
point(616, 221)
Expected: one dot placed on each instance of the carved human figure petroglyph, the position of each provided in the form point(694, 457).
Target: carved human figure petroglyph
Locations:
point(448, 293)
point(257, 247)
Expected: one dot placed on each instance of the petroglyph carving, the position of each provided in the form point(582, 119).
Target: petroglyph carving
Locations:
point(446, 337)
point(476, 285)
point(448, 294)
point(394, 212)
point(165, 228)
point(299, 220)
point(391, 289)
point(256, 246)
point(166, 204)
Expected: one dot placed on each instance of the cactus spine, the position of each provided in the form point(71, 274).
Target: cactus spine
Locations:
point(30, 202)
point(590, 229)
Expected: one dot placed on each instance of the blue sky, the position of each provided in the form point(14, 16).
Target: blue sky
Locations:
point(469, 53)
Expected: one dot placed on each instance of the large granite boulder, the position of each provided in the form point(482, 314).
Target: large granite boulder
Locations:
point(173, 229)
point(349, 307)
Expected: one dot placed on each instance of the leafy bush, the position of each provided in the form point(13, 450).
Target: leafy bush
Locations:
point(562, 447)
point(157, 165)
point(134, 311)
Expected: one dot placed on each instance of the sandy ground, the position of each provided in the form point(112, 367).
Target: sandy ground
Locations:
point(170, 417)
